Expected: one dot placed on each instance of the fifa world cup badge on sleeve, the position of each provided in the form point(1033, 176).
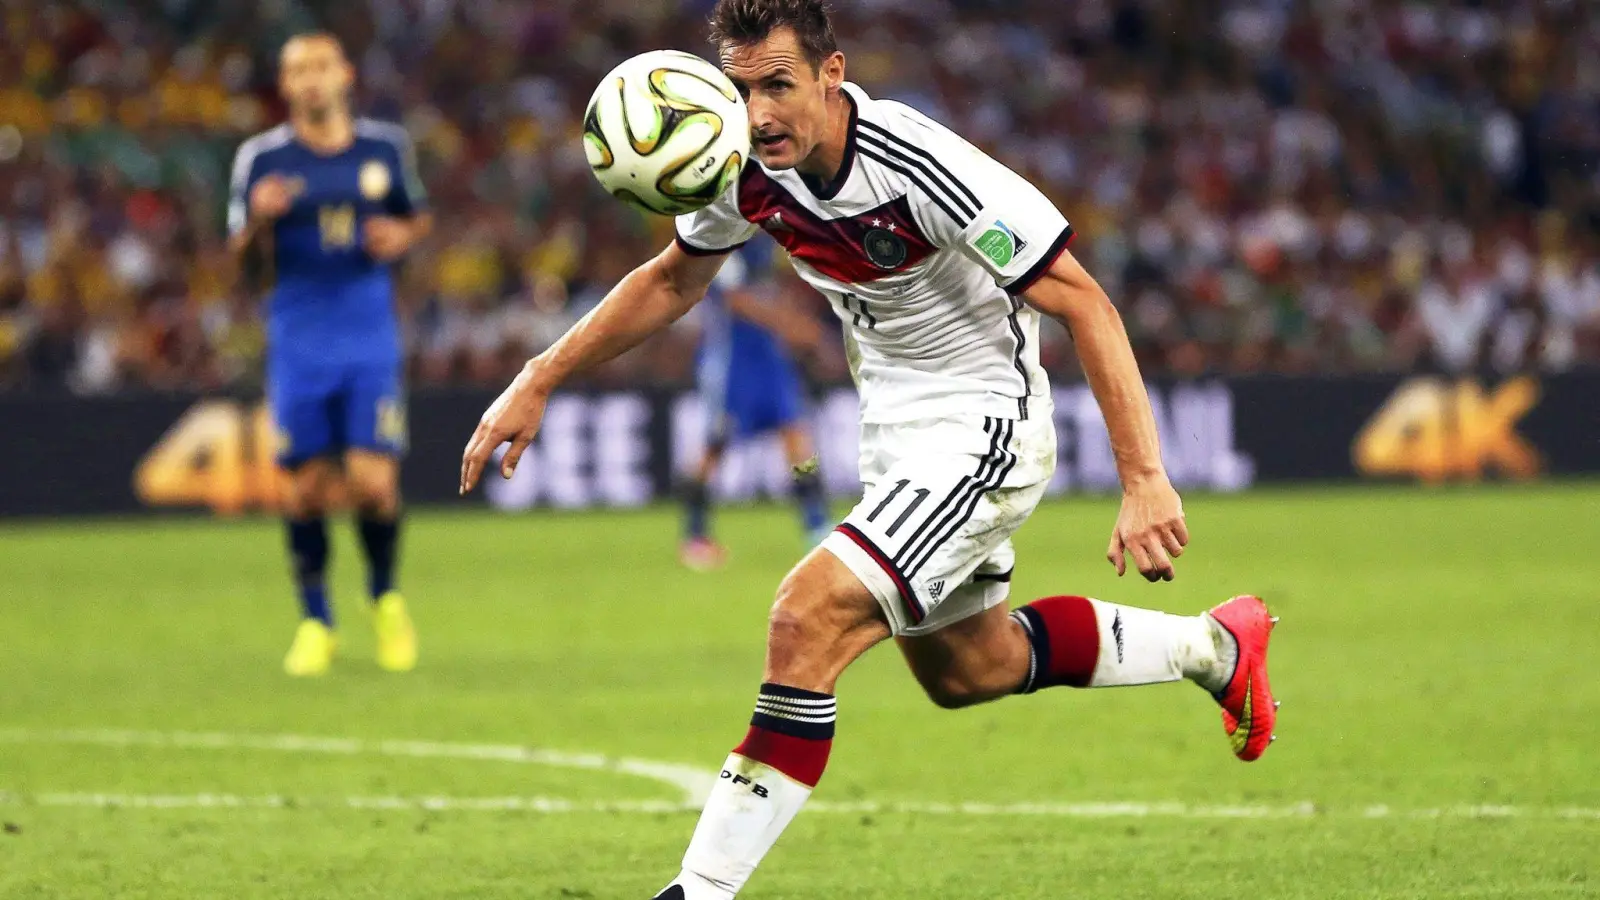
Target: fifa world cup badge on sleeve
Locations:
point(1000, 244)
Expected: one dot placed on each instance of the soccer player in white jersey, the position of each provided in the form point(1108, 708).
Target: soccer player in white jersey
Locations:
point(939, 261)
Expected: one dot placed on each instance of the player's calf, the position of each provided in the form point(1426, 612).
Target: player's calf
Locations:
point(977, 659)
point(822, 620)
point(373, 480)
point(374, 483)
point(1081, 642)
point(959, 690)
point(306, 533)
point(305, 504)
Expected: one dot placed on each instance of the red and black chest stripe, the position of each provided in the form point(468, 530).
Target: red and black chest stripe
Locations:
point(854, 249)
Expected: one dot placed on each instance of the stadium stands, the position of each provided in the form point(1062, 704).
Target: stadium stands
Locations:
point(1263, 186)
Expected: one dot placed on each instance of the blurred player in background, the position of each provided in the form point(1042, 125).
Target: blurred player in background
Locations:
point(328, 202)
point(750, 387)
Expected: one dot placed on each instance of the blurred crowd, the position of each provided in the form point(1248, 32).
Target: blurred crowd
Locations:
point(1261, 185)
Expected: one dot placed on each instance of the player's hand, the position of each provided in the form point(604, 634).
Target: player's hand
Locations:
point(385, 237)
point(272, 196)
point(514, 416)
point(1150, 529)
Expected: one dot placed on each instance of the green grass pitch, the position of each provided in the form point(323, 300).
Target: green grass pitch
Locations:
point(1440, 735)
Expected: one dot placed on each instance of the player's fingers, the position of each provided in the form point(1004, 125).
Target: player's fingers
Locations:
point(466, 470)
point(1160, 568)
point(472, 459)
point(1140, 552)
point(508, 463)
point(1169, 540)
point(480, 459)
point(1181, 529)
point(1114, 553)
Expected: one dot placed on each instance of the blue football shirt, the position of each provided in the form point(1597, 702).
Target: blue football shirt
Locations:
point(330, 302)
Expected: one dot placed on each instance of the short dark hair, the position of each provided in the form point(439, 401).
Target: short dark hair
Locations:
point(751, 21)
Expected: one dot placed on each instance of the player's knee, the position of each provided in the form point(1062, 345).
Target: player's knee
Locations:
point(300, 506)
point(374, 496)
point(797, 630)
point(306, 497)
point(373, 492)
point(820, 622)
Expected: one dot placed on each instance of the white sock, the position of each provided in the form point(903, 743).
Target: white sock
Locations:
point(765, 781)
point(750, 806)
point(1144, 646)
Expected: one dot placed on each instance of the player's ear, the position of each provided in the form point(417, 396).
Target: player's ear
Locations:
point(347, 69)
point(832, 70)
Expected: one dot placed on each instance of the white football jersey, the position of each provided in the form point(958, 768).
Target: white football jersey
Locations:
point(923, 245)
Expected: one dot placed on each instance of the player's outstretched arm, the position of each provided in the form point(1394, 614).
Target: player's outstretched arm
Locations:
point(1150, 526)
point(652, 297)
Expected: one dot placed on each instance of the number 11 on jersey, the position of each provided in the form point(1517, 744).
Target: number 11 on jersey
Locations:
point(860, 314)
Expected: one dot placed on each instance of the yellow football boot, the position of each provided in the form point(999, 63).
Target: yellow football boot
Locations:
point(397, 637)
point(312, 651)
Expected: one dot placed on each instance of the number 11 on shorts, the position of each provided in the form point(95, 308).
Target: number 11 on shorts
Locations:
point(921, 494)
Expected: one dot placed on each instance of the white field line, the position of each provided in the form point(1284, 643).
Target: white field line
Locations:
point(556, 805)
point(694, 783)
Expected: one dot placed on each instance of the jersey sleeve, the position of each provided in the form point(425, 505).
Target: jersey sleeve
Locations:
point(409, 196)
point(718, 228)
point(239, 183)
point(968, 202)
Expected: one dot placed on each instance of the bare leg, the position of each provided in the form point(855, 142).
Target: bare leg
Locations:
point(1073, 641)
point(823, 620)
point(978, 659)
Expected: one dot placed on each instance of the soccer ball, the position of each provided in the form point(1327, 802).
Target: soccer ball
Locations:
point(666, 132)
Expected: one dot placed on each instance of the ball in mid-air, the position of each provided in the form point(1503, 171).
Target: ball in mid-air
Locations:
point(666, 132)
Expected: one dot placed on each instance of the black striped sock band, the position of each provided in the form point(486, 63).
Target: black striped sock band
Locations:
point(795, 712)
point(1038, 645)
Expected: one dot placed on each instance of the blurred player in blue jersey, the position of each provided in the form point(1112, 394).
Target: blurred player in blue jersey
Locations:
point(749, 385)
point(328, 202)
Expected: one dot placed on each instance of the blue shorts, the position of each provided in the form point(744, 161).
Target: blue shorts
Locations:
point(325, 409)
point(752, 400)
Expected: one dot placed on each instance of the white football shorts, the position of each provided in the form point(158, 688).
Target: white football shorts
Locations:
point(931, 537)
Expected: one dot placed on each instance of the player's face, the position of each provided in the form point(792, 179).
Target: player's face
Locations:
point(314, 76)
point(786, 95)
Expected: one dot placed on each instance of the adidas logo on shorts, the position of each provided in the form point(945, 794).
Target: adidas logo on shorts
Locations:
point(935, 590)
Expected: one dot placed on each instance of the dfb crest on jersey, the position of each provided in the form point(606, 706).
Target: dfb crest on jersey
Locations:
point(884, 248)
